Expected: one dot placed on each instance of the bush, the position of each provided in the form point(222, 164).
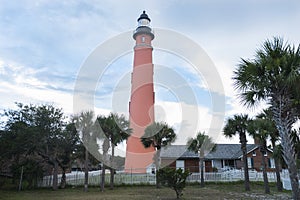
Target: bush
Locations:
point(173, 178)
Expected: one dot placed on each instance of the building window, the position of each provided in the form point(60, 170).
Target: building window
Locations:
point(152, 170)
point(143, 39)
point(253, 153)
point(180, 164)
point(271, 163)
point(266, 153)
point(250, 162)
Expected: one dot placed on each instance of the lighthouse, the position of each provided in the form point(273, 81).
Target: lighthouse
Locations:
point(141, 105)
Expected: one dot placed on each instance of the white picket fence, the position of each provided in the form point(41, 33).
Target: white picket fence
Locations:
point(77, 178)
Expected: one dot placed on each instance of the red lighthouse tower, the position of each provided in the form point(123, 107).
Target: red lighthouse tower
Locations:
point(141, 105)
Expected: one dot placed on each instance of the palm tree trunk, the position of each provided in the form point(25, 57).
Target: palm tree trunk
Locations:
point(112, 170)
point(289, 158)
point(103, 177)
point(105, 147)
point(278, 179)
point(157, 166)
point(265, 175)
point(294, 181)
point(86, 170)
point(284, 120)
point(112, 176)
point(243, 142)
point(202, 184)
point(277, 170)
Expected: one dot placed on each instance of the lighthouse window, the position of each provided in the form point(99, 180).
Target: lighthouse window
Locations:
point(143, 39)
point(144, 22)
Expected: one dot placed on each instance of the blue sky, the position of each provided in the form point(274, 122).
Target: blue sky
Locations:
point(43, 45)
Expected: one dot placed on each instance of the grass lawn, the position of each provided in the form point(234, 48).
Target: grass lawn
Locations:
point(212, 191)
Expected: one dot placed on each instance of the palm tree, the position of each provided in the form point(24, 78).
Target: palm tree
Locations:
point(115, 130)
point(259, 130)
point(238, 124)
point(158, 135)
point(104, 124)
point(201, 144)
point(273, 77)
point(85, 126)
point(118, 130)
point(274, 137)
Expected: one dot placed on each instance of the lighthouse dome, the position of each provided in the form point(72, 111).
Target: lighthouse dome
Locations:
point(144, 16)
point(144, 20)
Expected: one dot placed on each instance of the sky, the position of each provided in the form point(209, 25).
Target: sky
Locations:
point(44, 45)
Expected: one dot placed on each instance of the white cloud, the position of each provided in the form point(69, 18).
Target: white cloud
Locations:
point(187, 120)
point(21, 84)
point(2, 67)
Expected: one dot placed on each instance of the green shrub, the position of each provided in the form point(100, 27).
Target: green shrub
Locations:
point(173, 178)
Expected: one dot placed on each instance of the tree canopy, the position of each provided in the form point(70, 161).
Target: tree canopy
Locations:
point(273, 76)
